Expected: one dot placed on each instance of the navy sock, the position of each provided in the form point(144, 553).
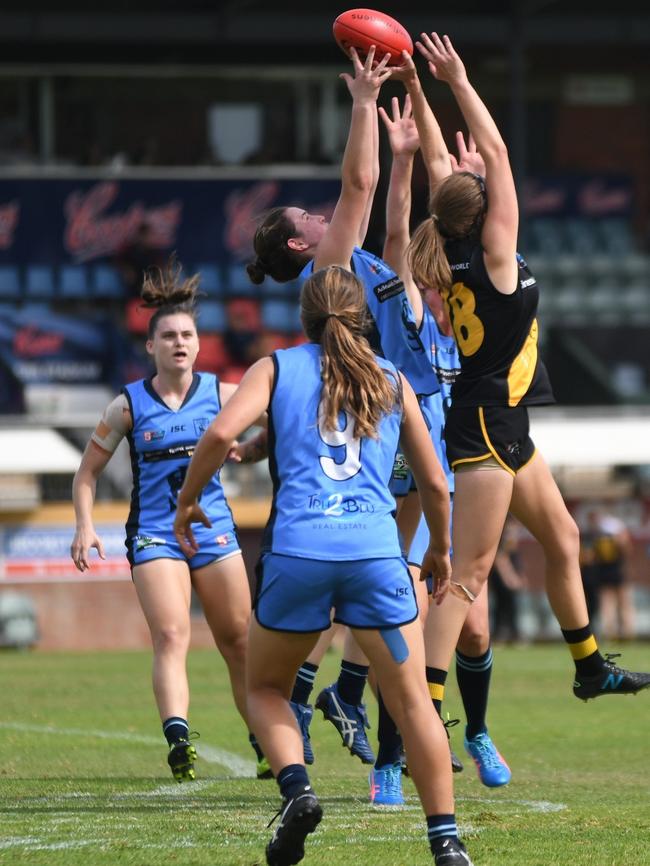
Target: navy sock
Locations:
point(439, 826)
point(175, 729)
point(292, 780)
point(436, 679)
point(304, 683)
point(390, 741)
point(473, 677)
point(256, 746)
point(351, 682)
point(584, 649)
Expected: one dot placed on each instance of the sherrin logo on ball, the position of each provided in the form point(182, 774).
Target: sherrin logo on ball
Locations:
point(361, 28)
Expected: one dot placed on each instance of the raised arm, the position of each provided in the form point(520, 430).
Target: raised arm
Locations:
point(363, 228)
point(499, 232)
point(432, 145)
point(357, 178)
point(404, 143)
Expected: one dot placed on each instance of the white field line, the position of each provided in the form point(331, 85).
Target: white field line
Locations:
point(236, 766)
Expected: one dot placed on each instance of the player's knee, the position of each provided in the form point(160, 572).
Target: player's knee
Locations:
point(474, 639)
point(233, 646)
point(171, 638)
point(564, 545)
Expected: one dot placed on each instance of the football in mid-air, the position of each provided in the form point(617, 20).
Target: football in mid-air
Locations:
point(361, 28)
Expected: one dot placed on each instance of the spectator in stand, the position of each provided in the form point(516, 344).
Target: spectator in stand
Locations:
point(610, 554)
point(505, 581)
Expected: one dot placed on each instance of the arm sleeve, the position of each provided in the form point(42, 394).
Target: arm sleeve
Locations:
point(115, 424)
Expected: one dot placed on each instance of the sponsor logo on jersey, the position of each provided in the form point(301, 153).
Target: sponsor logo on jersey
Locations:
point(142, 542)
point(390, 289)
point(337, 505)
point(173, 453)
point(153, 435)
point(529, 282)
point(201, 425)
point(400, 467)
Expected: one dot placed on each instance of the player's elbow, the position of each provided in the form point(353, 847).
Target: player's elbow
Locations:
point(218, 434)
point(360, 181)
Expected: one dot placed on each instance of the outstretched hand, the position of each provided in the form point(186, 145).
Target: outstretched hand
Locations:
point(402, 131)
point(469, 159)
point(442, 59)
point(406, 72)
point(368, 77)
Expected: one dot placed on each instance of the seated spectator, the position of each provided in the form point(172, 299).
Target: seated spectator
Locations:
point(243, 337)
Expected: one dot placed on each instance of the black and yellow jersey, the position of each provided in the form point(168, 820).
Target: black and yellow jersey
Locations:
point(496, 333)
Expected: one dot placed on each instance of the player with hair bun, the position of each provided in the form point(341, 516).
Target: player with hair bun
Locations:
point(163, 418)
point(291, 243)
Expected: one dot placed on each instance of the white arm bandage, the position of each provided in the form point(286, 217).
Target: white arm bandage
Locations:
point(115, 424)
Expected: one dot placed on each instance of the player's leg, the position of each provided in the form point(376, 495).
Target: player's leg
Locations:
point(292, 606)
point(397, 656)
point(304, 685)
point(224, 592)
point(385, 783)
point(342, 702)
point(163, 588)
point(538, 504)
point(473, 674)
point(481, 502)
point(223, 589)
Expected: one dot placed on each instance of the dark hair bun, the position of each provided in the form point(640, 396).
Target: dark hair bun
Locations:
point(256, 272)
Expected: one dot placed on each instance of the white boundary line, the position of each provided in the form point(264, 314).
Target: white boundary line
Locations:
point(237, 766)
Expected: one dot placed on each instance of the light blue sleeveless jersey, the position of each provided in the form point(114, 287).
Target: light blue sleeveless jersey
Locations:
point(396, 335)
point(330, 491)
point(162, 442)
point(443, 354)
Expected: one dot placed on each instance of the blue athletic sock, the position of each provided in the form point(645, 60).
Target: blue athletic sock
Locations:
point(304, 683)
point(256, 746)
point(439, 826)
point(175, 729)
point(352, 682)
point(292, 780)
point(390, 741)
point(473, 677)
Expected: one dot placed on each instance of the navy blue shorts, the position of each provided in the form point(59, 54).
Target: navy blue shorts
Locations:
point(163, 545)
point(297, 595)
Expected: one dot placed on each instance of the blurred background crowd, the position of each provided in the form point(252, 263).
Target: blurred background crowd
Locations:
point(129, 131)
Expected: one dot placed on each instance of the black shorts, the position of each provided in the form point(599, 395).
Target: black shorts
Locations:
point(475, 433)
point(610, 574)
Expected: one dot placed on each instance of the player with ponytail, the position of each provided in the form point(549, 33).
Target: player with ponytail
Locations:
point(336, 413)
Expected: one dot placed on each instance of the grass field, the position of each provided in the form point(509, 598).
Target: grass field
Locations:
point(84, 778)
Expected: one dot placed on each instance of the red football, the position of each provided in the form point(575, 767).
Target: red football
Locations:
point(361, 28)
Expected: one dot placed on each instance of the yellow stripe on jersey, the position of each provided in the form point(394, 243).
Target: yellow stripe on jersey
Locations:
point(436, 691)
point(584, 648)
point(523, 368)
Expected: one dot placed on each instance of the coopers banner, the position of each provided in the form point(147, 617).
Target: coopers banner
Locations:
point(55, 222)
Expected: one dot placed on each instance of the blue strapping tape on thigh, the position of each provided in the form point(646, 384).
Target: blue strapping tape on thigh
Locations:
point(396, 644)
